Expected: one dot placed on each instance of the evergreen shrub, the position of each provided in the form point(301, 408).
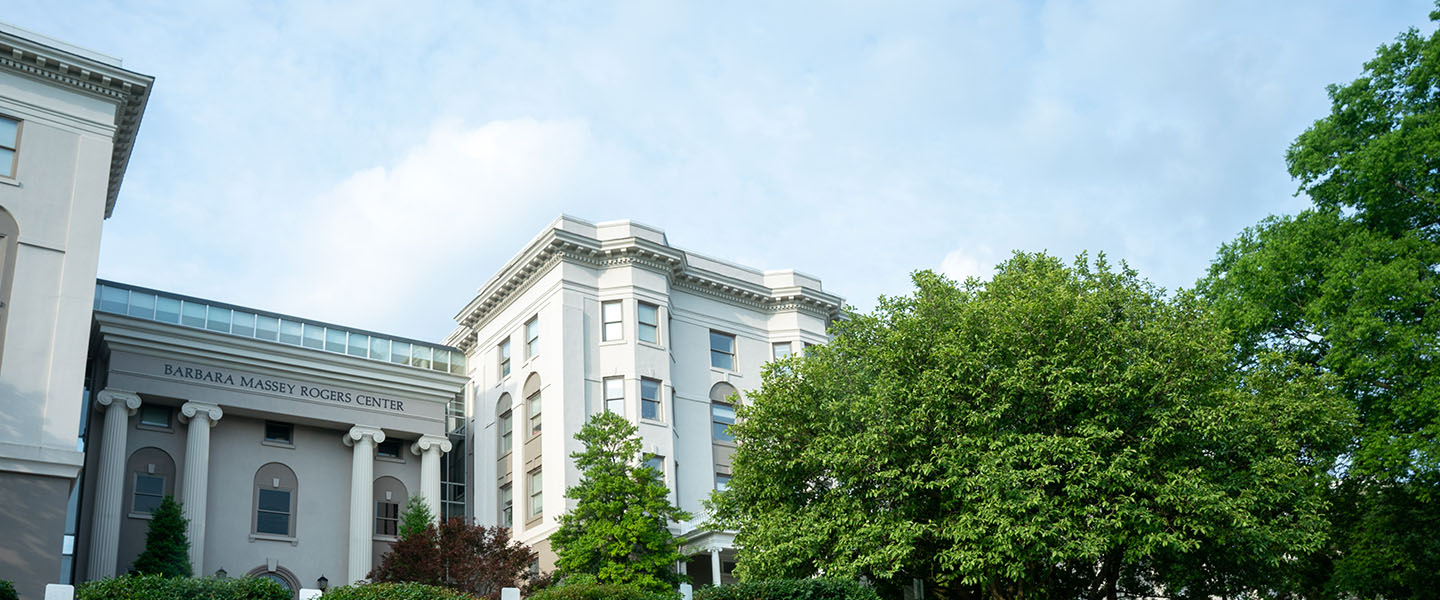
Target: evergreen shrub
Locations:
point(167, 547)
point(159, 587)
point(7, 590)
point(789, 589)
point(394, 591)
point(586, 587)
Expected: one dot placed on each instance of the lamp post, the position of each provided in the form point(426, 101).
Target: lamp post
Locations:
point(323, 583)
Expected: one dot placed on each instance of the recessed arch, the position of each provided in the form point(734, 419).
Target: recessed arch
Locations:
point(280, 575)
point(151, 478)
point(275, 495)
point(390, 498)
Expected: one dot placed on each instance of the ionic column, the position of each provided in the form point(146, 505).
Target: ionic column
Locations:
point(429, 448)
point(715, 566)
point(362, 474)
point(110, 481)
point(193, 494)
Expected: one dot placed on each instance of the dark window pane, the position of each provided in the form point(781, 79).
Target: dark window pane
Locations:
point(146, 504)
point(273, 523)
point(278, 432)
point(275, 500)
point(150, 484)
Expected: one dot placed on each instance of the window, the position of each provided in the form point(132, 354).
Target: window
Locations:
point(390, 448)
point(272, 513)
point(532, 337)
point(657, 463)
point(722, 482)
point(649, 323)
point(506, 426)
point(536, 499)
point(722, 412)
point(533, 406)
point(9, 143)
point(722, 350)
point(650, 399)
point(780, 350)
point(507, 506)
point(155, 416)
point(504, 353)
point(615, 395)
point(612, 328)
point(387, 518)
point(149, 491)
point(279, 433)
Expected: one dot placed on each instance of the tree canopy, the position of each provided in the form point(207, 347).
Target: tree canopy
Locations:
point(1059, 431)
point(619, 529)
point(1348, 289)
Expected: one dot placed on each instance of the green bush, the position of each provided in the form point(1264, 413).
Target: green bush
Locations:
point(789, 589)
point(394, 591)
point(157, 587)
point(585, 587)
point(7, 591)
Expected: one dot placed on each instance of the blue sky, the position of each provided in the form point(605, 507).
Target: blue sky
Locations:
point(373, 163)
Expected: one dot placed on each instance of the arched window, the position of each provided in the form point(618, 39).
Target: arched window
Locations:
point(532, 403)
point(505, 425)
point(9, 244)
point(152, 478)
point(722, 412)
point(276, 491)
point(280, 575)
point(390, 498)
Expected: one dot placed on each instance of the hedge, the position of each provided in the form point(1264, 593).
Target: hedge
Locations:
point(789, 589)
point(7, 590)
point(585, 587)
point(394, 591)
point(156, 587)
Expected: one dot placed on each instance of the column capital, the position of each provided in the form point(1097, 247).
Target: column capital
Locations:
point(360, 432)
point(190, 409)
point(109, 396)
point(426, 442)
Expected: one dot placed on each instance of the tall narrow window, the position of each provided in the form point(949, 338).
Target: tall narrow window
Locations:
point(615, 395)
point(532, 337)
point(507, 506)
point(149, 491)
point(611, 328)
point(387, 518)
point(504, 353)
point(9, 143)
point(722, 350)
point(537, 504)
point(275, 491)
point(506, 427)
point(9, 240)
point(650, 399)
point(722, 482)
point(722, 412)
point(780, 350)
point(532, 405)
point(649, 323)
point(658, 463)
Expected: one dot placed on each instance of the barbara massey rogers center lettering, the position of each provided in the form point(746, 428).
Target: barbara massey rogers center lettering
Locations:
point(293, 443)
point(274, 385)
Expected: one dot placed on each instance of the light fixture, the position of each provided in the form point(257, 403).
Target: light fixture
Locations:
point(221, 573)
point(323, 583)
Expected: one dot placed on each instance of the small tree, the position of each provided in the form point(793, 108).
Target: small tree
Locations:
point(416, 518)
point(618, 531)
point(474, 559)
point(167, 547)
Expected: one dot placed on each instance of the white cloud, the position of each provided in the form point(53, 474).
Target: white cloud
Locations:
point(964, 263)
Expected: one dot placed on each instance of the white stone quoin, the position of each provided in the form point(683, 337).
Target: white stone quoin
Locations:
point(110, 481)
point(362, 439)
point(429, 448)
point(201, 417)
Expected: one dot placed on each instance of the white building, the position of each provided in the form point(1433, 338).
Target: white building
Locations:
point(68, 118)
point(590, 317)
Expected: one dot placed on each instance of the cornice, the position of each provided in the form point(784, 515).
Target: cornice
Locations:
point(556, 246)
point(130, 91)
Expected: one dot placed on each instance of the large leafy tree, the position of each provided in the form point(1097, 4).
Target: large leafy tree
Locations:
point(619, 529)
point(167, 546)
point(1059, 431)
point(456, 554)
point(1349, 289)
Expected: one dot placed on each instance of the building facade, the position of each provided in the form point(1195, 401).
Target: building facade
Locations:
point(610, 316)
point(68, 119)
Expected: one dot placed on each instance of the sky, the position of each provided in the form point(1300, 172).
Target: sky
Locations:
point(374, 163)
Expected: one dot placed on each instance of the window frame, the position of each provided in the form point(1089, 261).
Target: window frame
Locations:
point(135, 493)
point(502, 354)
point(618, 322)
point(289, 514)
point(141, 423)
point(532, 337)
point(619, 400)
point(732, 353)
point(533, 410)
point(657, 402)
point(505, 425)
point(536, 482)
point(390, 442)
point(15, 149)
point(789, 350)
point(640, 323)
point(506, 501)
point(719, 487)
point(393, 522)
point(715, 434)
point(287, 442)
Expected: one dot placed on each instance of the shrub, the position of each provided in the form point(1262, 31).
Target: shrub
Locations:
point(789, 589)
point(585, 587)
point(458, 555)
point(7, 591)
point(167, 548)
point(394, 591)
point(159, 587)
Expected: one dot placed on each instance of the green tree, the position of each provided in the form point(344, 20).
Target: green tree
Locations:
point(167, 547)
point(1063, 432)
point(618, 531)
point(1349, 289)
point(416, 518)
